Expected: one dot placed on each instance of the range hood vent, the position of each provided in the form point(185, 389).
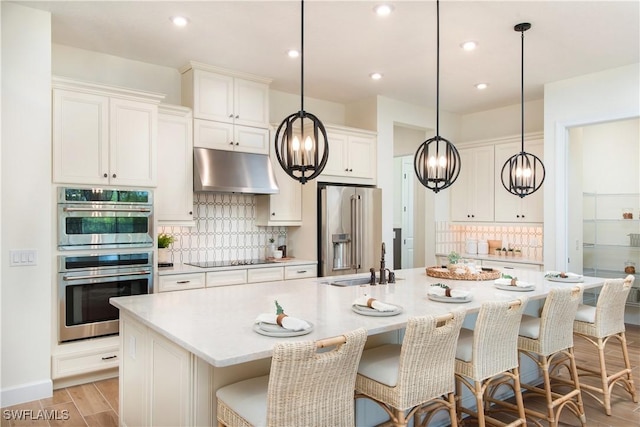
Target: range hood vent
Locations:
point(232, 172)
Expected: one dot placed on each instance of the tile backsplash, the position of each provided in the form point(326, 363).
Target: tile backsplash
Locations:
point(527, 238)
point(225, 230)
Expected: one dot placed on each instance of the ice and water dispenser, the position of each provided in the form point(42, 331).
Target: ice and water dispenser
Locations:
point(341, 251)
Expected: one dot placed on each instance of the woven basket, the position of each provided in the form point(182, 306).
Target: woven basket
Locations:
point(444, 273)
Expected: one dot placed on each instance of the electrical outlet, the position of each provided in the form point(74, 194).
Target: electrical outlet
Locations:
point(22, 258)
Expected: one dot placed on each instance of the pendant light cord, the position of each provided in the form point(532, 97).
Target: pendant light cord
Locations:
point(301, 58)
point(522, 92)
point(438, 68)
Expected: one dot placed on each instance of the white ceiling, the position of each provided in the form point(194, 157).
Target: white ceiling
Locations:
point(345, 41)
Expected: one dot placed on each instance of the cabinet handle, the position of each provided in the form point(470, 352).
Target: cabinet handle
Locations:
point(350, 170)
point(105, 175)
point(237, 117)
point(301, 271)
point(113, 176)
point(522, 216)
point(237, 143)
point(110, 357)
point(473, 216)
point(346, 170)
point(273, 214)
point(231, 116)
point(190, 212)
point(182, 282)
point(231, 143)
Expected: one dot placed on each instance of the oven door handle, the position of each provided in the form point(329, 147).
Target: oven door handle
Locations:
point(67, 209)
point(102, 276)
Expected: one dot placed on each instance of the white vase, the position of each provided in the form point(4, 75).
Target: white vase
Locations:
point(164, 257)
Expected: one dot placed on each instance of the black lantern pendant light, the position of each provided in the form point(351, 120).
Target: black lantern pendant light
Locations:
point(437, 161)
point(523, 173)
point(298, 147)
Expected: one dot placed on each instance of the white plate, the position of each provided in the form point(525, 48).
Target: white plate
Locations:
point(515, 288)
point(450, 299)
point(570, 279)
point(368, 311)
point(272, 330)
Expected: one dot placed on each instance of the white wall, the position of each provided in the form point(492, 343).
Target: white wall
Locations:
point(27, 217)
point(501, 122)
point(112, 70)
point(593, 98)
point(282, 104)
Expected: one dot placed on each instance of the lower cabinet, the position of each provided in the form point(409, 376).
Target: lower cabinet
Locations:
point(85, 357)
point(267, 274)
point(177, 282)
point(226, 277)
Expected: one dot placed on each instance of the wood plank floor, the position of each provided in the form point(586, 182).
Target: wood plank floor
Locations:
point(96, 404)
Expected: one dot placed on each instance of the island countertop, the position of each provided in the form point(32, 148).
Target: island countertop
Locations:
point(216, 324)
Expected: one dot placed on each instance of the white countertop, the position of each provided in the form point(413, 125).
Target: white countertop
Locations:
point(216, 323)
point(498, 258)
point(185, 268)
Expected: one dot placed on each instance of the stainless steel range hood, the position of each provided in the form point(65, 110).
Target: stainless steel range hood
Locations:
point(232, 172)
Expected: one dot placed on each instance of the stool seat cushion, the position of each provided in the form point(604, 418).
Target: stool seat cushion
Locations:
point(530, 327)
point(381, 364)
point(586, 313)
point(464, 350)
point(248, 398)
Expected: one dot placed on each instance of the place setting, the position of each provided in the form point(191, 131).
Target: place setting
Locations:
point(510, 283)
point(440, 292)
point(561, 276)
point(368, 306)
point(281, 325)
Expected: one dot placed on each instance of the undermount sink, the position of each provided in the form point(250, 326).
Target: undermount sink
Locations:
point(359, 281)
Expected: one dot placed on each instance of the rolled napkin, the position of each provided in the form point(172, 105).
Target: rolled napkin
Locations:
point(510, 282)
point(366, 301)
point(453, 293)
point(287, 322)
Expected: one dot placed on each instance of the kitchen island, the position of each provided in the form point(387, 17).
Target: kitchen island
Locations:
point(179, 347)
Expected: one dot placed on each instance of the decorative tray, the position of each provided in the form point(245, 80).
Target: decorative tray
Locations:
point(444, 273)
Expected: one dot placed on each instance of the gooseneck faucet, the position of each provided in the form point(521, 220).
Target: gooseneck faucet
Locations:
point(383, 274)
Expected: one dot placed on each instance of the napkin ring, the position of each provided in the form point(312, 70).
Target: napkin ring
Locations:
point(279, 319)
point(370, 301)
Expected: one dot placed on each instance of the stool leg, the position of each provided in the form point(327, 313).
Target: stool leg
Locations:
point(517, 391)
point(478, 392)
point(625, 355)
point(576, 380)
point(603, 377)
point(452, 410)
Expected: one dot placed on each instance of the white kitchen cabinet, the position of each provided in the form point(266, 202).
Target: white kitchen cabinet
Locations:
point(178, 282)
point(283, 208)
point(300, 271)
point(104, 135)
point(472, 194)
point(352, 156)
point(509, 207)
point(265, 274)
point(505, 266)
point(174, 195)
point(226, 277)
point(225, 136)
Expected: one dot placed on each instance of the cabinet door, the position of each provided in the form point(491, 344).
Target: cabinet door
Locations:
point(212, 96)
point(133, 129)
point(80, 138)
point(174, 195)
point(361, 157)
point(134, 366)
point(473, 192)
point(216, 135)
point(337, 161)
point(251, 140)
point(179, 282)
point(509, 207)
point(251, 103)
point(266, 274)
point(226, 277)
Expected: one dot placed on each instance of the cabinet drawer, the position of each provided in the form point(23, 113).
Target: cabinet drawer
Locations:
point(300, 271)
point(511, 265)
point(66, 365)
point(269, 274)
point(228, 277)
point(177, 282)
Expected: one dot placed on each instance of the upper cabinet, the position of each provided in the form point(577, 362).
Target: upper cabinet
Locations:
point(472, 194)
point(174, 195)
point(230, 110)
point(352, 156)
point(509, 207)
point(104, 135)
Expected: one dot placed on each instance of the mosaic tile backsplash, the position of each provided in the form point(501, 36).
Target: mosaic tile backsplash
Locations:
point(527, 238)
point(225, 230)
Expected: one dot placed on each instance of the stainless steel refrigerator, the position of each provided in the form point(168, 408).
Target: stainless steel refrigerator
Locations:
point(349, 229)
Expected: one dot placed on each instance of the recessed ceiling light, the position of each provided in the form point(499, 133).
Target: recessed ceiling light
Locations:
point(383, 9)
point(470, 45)
point(375, 76)
point(179, 21)
point(482, 86)
point(293, 53)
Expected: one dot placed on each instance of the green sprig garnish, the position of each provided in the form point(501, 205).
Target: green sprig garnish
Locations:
point(506, 276)
point(440, 285)
point(279, 309)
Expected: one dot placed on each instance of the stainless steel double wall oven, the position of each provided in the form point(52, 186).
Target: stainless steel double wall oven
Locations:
point(106, 240)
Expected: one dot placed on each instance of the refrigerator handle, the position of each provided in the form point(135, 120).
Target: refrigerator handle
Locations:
point(356, 229)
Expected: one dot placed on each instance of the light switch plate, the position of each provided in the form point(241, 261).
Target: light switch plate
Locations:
point(23, 257)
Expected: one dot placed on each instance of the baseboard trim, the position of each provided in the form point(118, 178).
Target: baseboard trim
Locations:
point(26, 393)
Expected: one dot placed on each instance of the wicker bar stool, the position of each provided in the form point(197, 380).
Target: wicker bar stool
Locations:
point(598, 325)
point(305, 387)
point(489, 354)
point(548, 341)
point(417, 376)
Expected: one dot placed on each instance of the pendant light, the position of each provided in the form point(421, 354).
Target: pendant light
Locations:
point(523, 173)
point(437, 161)
point(301, 143)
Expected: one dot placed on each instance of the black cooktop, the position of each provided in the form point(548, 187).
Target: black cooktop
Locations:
point(228, 263)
